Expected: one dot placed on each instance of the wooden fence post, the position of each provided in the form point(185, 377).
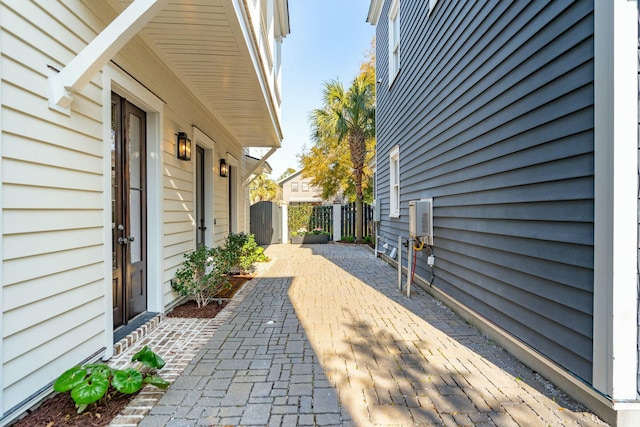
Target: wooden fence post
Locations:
point(337, 222)
point(285, 223)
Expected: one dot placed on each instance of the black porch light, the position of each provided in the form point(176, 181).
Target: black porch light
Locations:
point(183, 147)
point(224, 168)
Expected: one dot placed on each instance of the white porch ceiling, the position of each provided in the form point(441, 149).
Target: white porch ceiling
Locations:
point(203, 41)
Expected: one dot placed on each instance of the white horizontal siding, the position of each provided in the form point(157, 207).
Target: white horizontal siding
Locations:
point(22, 269)
point(40, 152)
point(177, 238)
point(178, 204)
point(177, 227)
point(24, 293)
point(53, 359)
point(27, 245)
point(33, 221)
point(39, 175)
point(53, 173)
point(53, 202)
point(25, 197)
point(179, 216)
point(54, 133)
point(64, 317)
point(243, 195)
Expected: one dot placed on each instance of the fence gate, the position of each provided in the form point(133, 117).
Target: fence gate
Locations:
point(349, 220)
point(266, 223)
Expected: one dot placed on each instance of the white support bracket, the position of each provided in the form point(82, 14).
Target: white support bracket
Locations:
point(247, 178)
point(79, 71)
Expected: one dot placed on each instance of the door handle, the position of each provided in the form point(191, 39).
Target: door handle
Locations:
point(126, 240)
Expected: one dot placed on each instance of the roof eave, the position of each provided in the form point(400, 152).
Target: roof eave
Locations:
point(375, 9)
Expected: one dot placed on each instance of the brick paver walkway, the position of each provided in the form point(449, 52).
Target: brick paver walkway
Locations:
point(324, 338)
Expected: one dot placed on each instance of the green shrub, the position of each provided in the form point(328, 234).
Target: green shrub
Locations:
point(89, 383)
point(244, 251)
point(348, 239)
point(299, 218)
point(203, 273)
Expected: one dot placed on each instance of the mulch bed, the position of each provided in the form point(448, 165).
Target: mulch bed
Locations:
point(60, 410)
point(191, 310)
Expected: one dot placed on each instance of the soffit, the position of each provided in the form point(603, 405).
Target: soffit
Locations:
point(204, 43)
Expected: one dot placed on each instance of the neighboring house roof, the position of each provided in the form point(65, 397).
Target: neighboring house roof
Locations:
point(289, 177)
point(311, 194)
point(252, 162)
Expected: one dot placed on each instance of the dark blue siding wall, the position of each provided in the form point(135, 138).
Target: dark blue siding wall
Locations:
point(493, 113)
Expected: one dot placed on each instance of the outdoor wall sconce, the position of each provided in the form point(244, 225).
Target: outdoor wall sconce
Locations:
point(224, 168)
point(184, 146)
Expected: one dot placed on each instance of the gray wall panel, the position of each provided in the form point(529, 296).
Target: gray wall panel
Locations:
point(493, 113)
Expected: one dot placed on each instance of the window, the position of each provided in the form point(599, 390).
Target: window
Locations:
point(394, 40)
point(294, 186)
point(305, 186)
point(394, 182)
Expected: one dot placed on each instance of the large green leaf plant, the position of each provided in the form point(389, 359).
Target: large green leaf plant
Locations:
point(89, 383)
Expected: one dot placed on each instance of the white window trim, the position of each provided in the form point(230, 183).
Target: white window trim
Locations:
point(432, 4)
point(394, 43)
point(394, 182)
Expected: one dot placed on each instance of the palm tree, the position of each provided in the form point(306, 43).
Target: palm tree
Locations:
point(262, 188)
point(349, 115)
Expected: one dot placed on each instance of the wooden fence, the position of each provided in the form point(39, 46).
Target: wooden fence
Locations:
point(321, 217)
point(349, 220)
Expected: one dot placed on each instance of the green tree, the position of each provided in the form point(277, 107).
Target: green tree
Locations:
point(346, 115)
point(288, 172)
point(328, 164)
point(369, 64)
point(262, 189)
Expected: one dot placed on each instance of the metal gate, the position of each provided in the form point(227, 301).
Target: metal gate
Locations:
point(266, 223)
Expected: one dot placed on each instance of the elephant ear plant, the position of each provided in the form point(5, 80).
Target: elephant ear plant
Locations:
point(90, 383)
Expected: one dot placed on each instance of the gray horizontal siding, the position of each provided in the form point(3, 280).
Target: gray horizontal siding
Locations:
point(493, 113)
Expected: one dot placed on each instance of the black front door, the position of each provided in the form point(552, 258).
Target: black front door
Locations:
point(128, 210)
point(200, 197)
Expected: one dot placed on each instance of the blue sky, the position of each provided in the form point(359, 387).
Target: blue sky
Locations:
point(328, 40)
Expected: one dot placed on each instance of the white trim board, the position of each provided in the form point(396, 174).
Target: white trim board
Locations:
point(615, 350)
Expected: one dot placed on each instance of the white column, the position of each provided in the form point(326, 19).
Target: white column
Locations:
point(337, 222)
point(615, 322)
point(284, 210)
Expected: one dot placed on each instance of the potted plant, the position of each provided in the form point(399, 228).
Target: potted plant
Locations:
point(302, 236)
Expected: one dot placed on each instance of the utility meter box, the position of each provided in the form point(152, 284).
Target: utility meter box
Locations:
point(376, 211)
point(421, 220)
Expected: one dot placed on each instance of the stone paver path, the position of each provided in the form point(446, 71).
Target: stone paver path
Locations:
point(324, 338)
